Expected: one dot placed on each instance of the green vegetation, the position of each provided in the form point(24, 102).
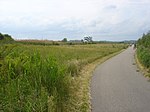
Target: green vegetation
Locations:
point(64, 40)
point(5, 38)
point(143, 51)
point(45, 78)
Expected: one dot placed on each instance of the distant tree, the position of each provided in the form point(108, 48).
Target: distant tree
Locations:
point(1, 36)
point(82, 40)
point(8, 37)
point(64, 40)
point(5, 38)
point(88, 39)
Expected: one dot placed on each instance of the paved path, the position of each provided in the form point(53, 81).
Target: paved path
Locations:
point(116, 86)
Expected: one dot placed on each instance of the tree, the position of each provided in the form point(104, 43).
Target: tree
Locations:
point(5, 38)
point(64, 40)
point(82, 40)
point(88, 39)
point(1, 36)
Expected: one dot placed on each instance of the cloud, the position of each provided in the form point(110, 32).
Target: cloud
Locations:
point(111, 7)
point(54, 19)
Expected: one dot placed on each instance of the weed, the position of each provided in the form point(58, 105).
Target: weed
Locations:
point(44, 78)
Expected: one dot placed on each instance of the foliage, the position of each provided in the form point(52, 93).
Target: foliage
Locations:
point(145, 40)
point(1, 36)
point(5, 38)
point(42, 78)
point(143, 51)
point(64, 40)
point(88, 39)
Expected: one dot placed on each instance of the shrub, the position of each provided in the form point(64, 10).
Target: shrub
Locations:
point(143, 51)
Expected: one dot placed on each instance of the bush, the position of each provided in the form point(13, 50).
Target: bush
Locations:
point(144, 56)
point(5, 38)
point(1, 36)
point(143, 51)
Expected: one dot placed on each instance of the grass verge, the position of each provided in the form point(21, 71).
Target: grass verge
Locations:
point(144, 70)
point(83, 82)
point(49, 78)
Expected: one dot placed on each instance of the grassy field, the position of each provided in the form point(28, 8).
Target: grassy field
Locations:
point(45, 78)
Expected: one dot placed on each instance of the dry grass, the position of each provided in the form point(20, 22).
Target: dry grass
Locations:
point(82, 95)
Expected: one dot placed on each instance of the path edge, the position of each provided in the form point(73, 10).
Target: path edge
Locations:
point(87, 73)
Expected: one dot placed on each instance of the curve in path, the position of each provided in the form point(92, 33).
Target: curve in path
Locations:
point(117, 86)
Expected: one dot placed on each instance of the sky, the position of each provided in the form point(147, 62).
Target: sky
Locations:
point(113, 20)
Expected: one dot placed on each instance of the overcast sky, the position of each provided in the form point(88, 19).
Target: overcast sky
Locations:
point(74, 19)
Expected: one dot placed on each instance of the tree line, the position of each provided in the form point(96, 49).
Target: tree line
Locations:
point(5, 38)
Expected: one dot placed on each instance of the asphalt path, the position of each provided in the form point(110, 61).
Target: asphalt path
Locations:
point(118, 86)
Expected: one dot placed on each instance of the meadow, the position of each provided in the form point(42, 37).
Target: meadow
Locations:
point(38, 78)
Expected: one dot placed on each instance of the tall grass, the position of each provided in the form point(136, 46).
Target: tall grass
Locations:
point(41, 78)
point(28, 81)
